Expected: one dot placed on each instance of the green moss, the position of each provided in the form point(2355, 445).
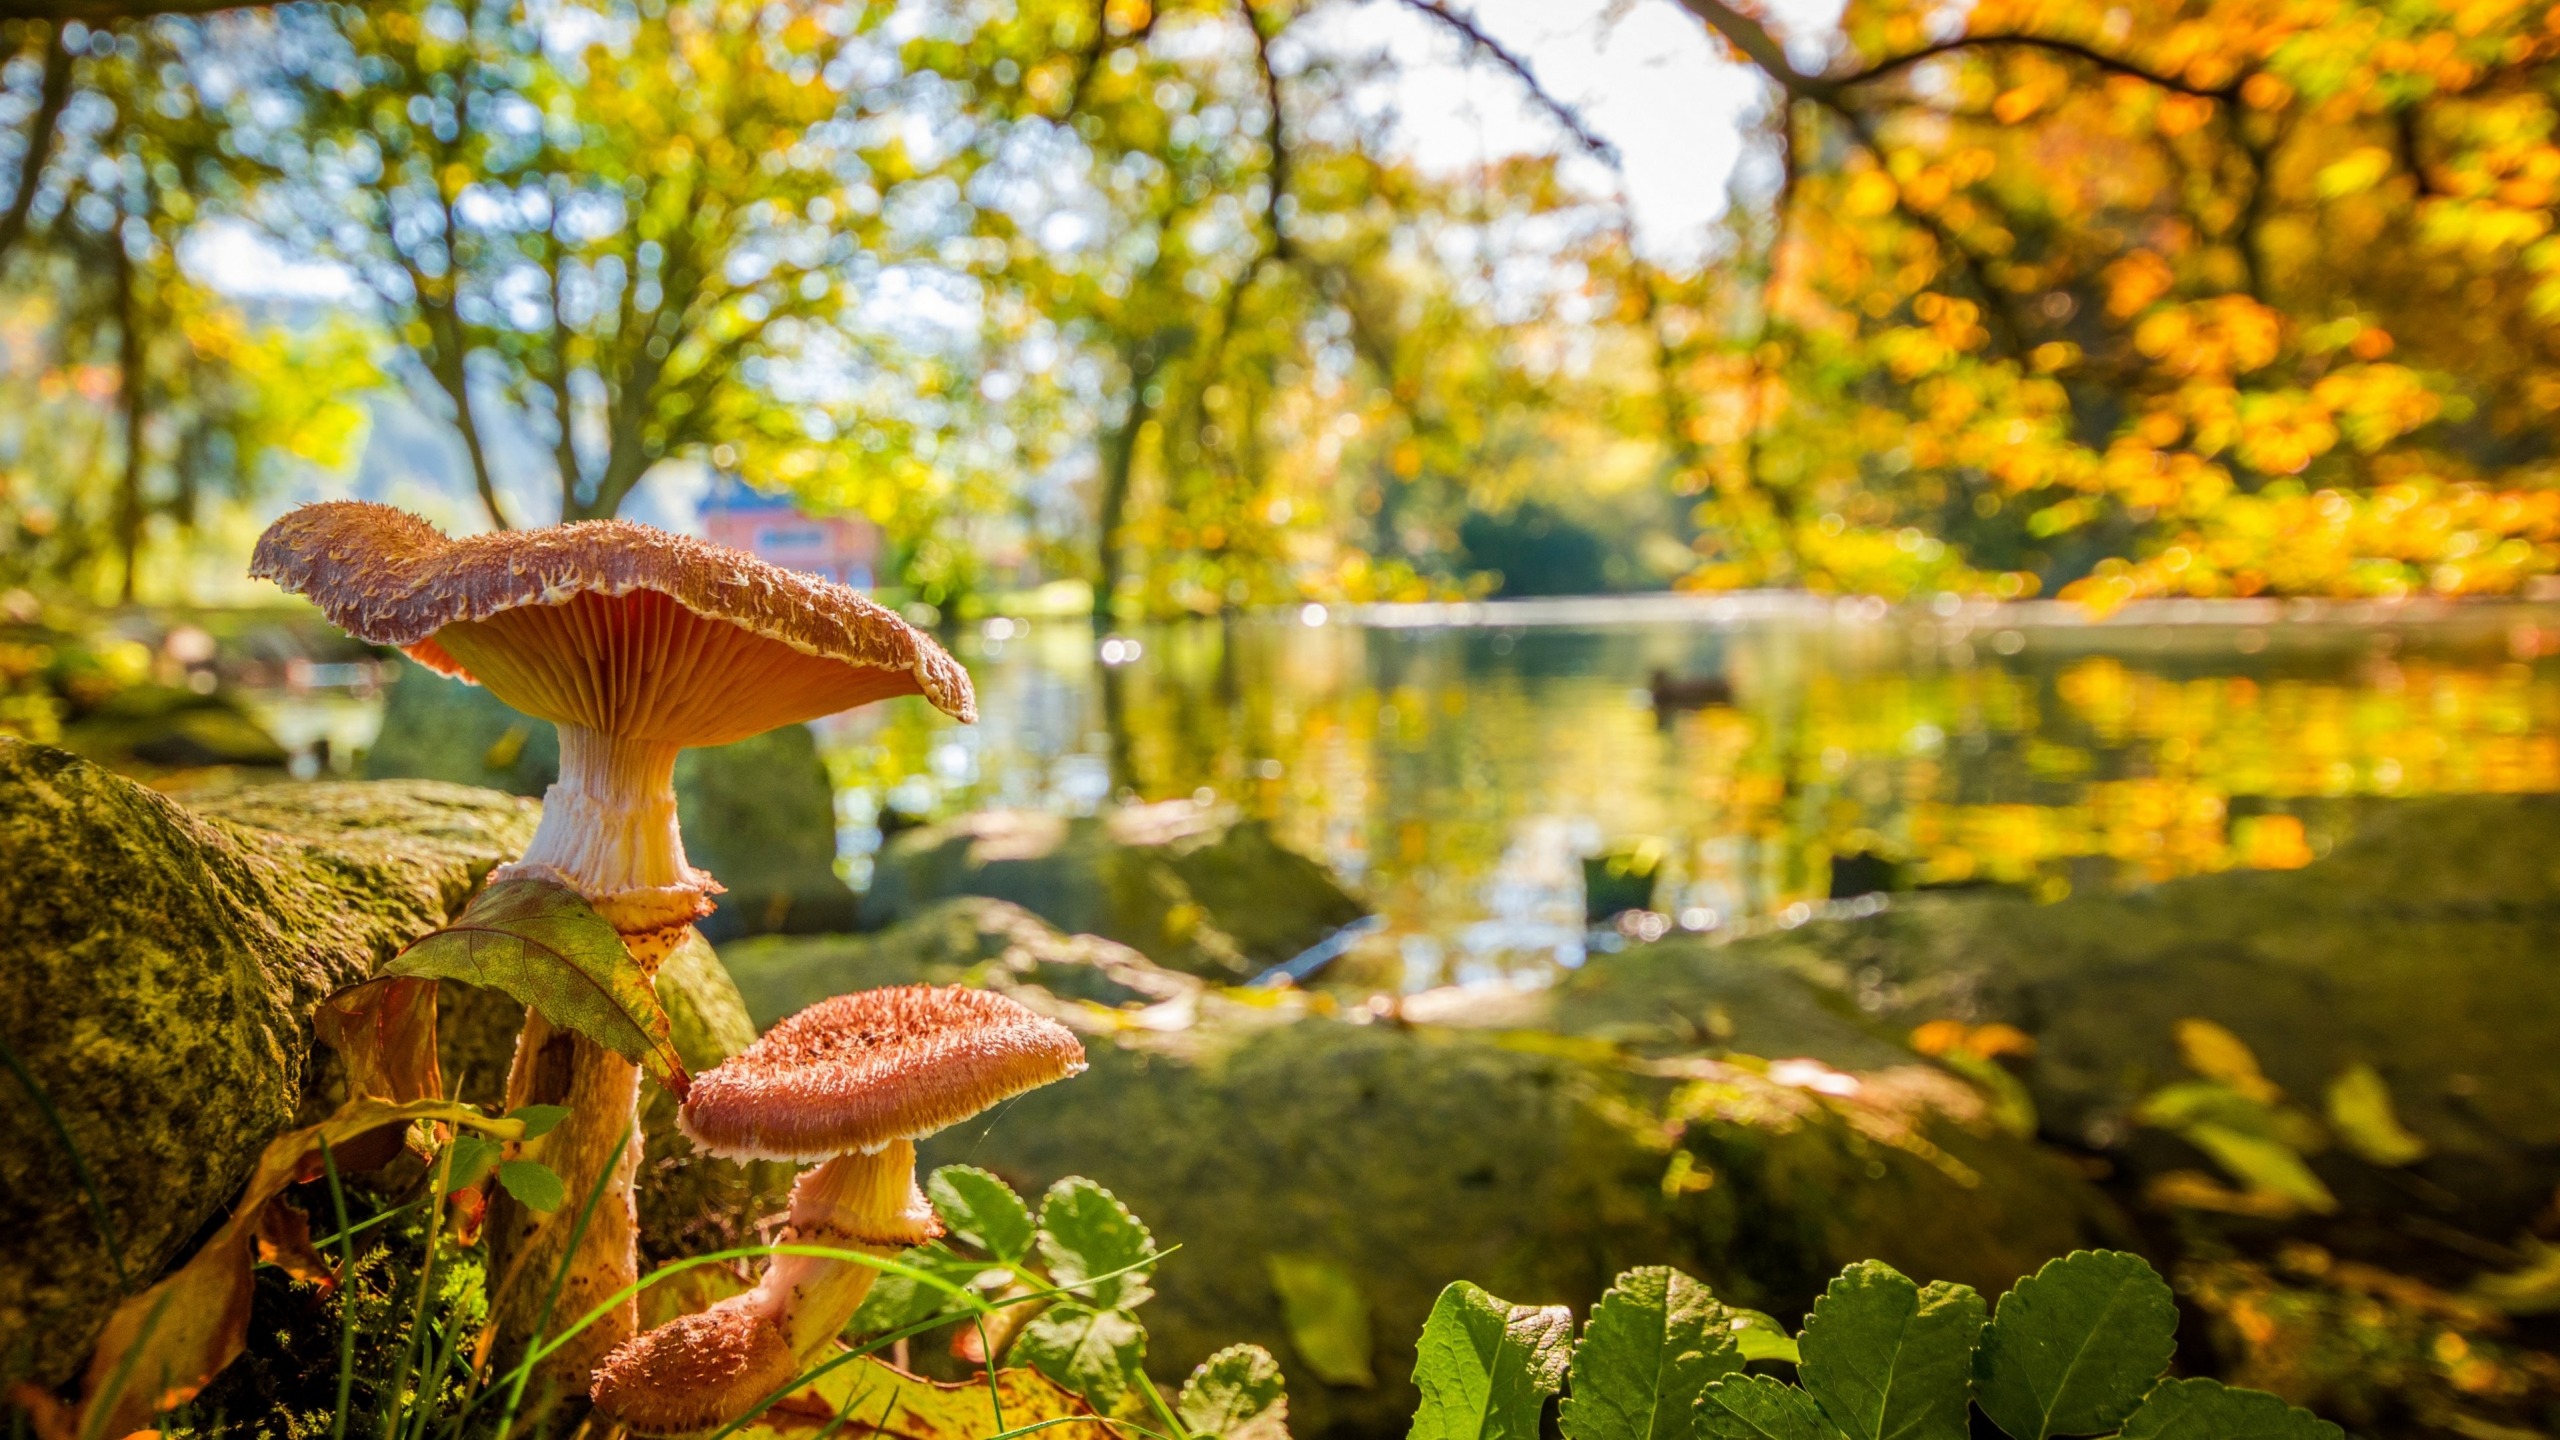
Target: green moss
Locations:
point(161, 966)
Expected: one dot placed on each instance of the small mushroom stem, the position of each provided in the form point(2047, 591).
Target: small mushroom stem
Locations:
point(865, 1202)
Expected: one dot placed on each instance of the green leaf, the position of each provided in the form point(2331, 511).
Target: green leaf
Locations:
point(1890, 1360)
point(2072, 1348)
point(1758, 1336)
point(1485, 1367)
point(1085, 1231)
point(540, 943)
point(2360, 1110)
point(2262, 1164)
point(1653, 1344)
point(539, 1120)
point(1236, 1394)
point(474, 1156)
point(1327, 1314)
point(1755, 1407)
point(983, 1211)
point(1091, 1352)
point(897, 1301)
point(534, 1183)
point(2211, 1410)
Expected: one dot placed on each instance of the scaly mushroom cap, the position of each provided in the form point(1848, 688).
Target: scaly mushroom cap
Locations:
point(617, 627)
point(694, 1373)
point(858, 1071)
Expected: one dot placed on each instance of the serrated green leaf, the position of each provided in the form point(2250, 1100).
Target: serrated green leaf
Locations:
point(1327, 1314)
point(1890, 1360)
point(540, 943)
point(1236, 1394)
point(539, 1120)
point(1755, 1407)
point(2072, 1349)
point(533, 1183)
point(983, 1211)
point(1085, 1231)
point(2211, 1410)
point(1758, 1336)
point(1485, 1367)
point(897, 1301)
point(474, 1156)
point(1091, 1352)
point(1653, 1344)
point(2360, 1110)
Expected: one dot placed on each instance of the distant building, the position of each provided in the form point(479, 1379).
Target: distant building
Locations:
point(845, 549)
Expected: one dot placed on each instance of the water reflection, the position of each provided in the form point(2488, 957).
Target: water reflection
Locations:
point(1460, 776)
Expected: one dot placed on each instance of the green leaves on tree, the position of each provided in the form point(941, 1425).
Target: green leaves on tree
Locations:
point(1485, 1367)
point(2211, 1410)
point(1887, 1359)
point(2072, 1349)
point(539, 943)
point(1236, 1394)
point(1654, 1343)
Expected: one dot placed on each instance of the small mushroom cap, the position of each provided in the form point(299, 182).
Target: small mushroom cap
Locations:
point(607, 624)
point(694, 1373)
point(858, 1071)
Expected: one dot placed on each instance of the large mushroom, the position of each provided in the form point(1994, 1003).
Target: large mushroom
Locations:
point(636, 644)
point(853, 1082)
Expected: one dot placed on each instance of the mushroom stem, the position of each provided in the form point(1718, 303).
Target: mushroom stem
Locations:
point(609, 832)
point(866, 1202)
point(602, 1093)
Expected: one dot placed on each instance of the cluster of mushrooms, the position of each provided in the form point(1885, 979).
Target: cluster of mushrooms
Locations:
point(636, 644)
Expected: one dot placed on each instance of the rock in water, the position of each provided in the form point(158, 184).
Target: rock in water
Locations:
point(1189, 886)
point(161, 966)
point(759, 815)
point(1283, 1147)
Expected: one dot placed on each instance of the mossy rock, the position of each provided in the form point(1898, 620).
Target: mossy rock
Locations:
point(1254, 1128)
point(2422, 946)
point(162, 965)
point(759, 815)
point(1192, 887)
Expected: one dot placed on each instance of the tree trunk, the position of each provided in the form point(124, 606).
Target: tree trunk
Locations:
point(1119, 469)
point(129, 500)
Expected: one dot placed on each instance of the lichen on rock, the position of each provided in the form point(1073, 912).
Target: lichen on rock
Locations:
point(162, 965)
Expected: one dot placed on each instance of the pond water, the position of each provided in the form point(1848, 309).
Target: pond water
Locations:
point(1458, 765)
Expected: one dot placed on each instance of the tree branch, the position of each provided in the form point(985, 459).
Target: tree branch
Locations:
point(41, 130)
point(1565, 116)
point(2113, 64)
point(1271, 205)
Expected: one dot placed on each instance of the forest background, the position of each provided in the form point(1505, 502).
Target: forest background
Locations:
point(2022, 297)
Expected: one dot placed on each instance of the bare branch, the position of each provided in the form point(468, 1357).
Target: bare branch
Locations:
point(41, 129)
point(1565, 116)
point(1272, 205)
point(2113, 64)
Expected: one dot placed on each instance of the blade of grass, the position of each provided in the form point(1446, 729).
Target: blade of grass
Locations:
point(1163, 1411)
point(346, 1296)
point(418, 1308)
point(79, 1165)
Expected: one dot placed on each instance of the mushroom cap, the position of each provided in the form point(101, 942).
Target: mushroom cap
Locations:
point(614, 626)
point(696, 1372)
point(858, 1071)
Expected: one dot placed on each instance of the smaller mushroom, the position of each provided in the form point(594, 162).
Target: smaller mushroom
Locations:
point(853, 1082)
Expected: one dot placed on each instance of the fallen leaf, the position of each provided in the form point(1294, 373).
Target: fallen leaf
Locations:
point(875, 1398)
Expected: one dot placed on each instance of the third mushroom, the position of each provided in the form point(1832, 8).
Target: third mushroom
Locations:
point(852, 1082)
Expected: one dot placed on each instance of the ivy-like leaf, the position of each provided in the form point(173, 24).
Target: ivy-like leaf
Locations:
point(540, 943)
point(1485, 1367)
point(1236, 1394)
point(1755, 1407)
point(1653, 1344)
point(2072, 1349)
point(898, 1301)
point(1091, 1352)
point(1890, 1360)
point(535, 1184)
point(1327, 1314)
point(983, 1211)
point(1085, 1231)
point(2211, 1410)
